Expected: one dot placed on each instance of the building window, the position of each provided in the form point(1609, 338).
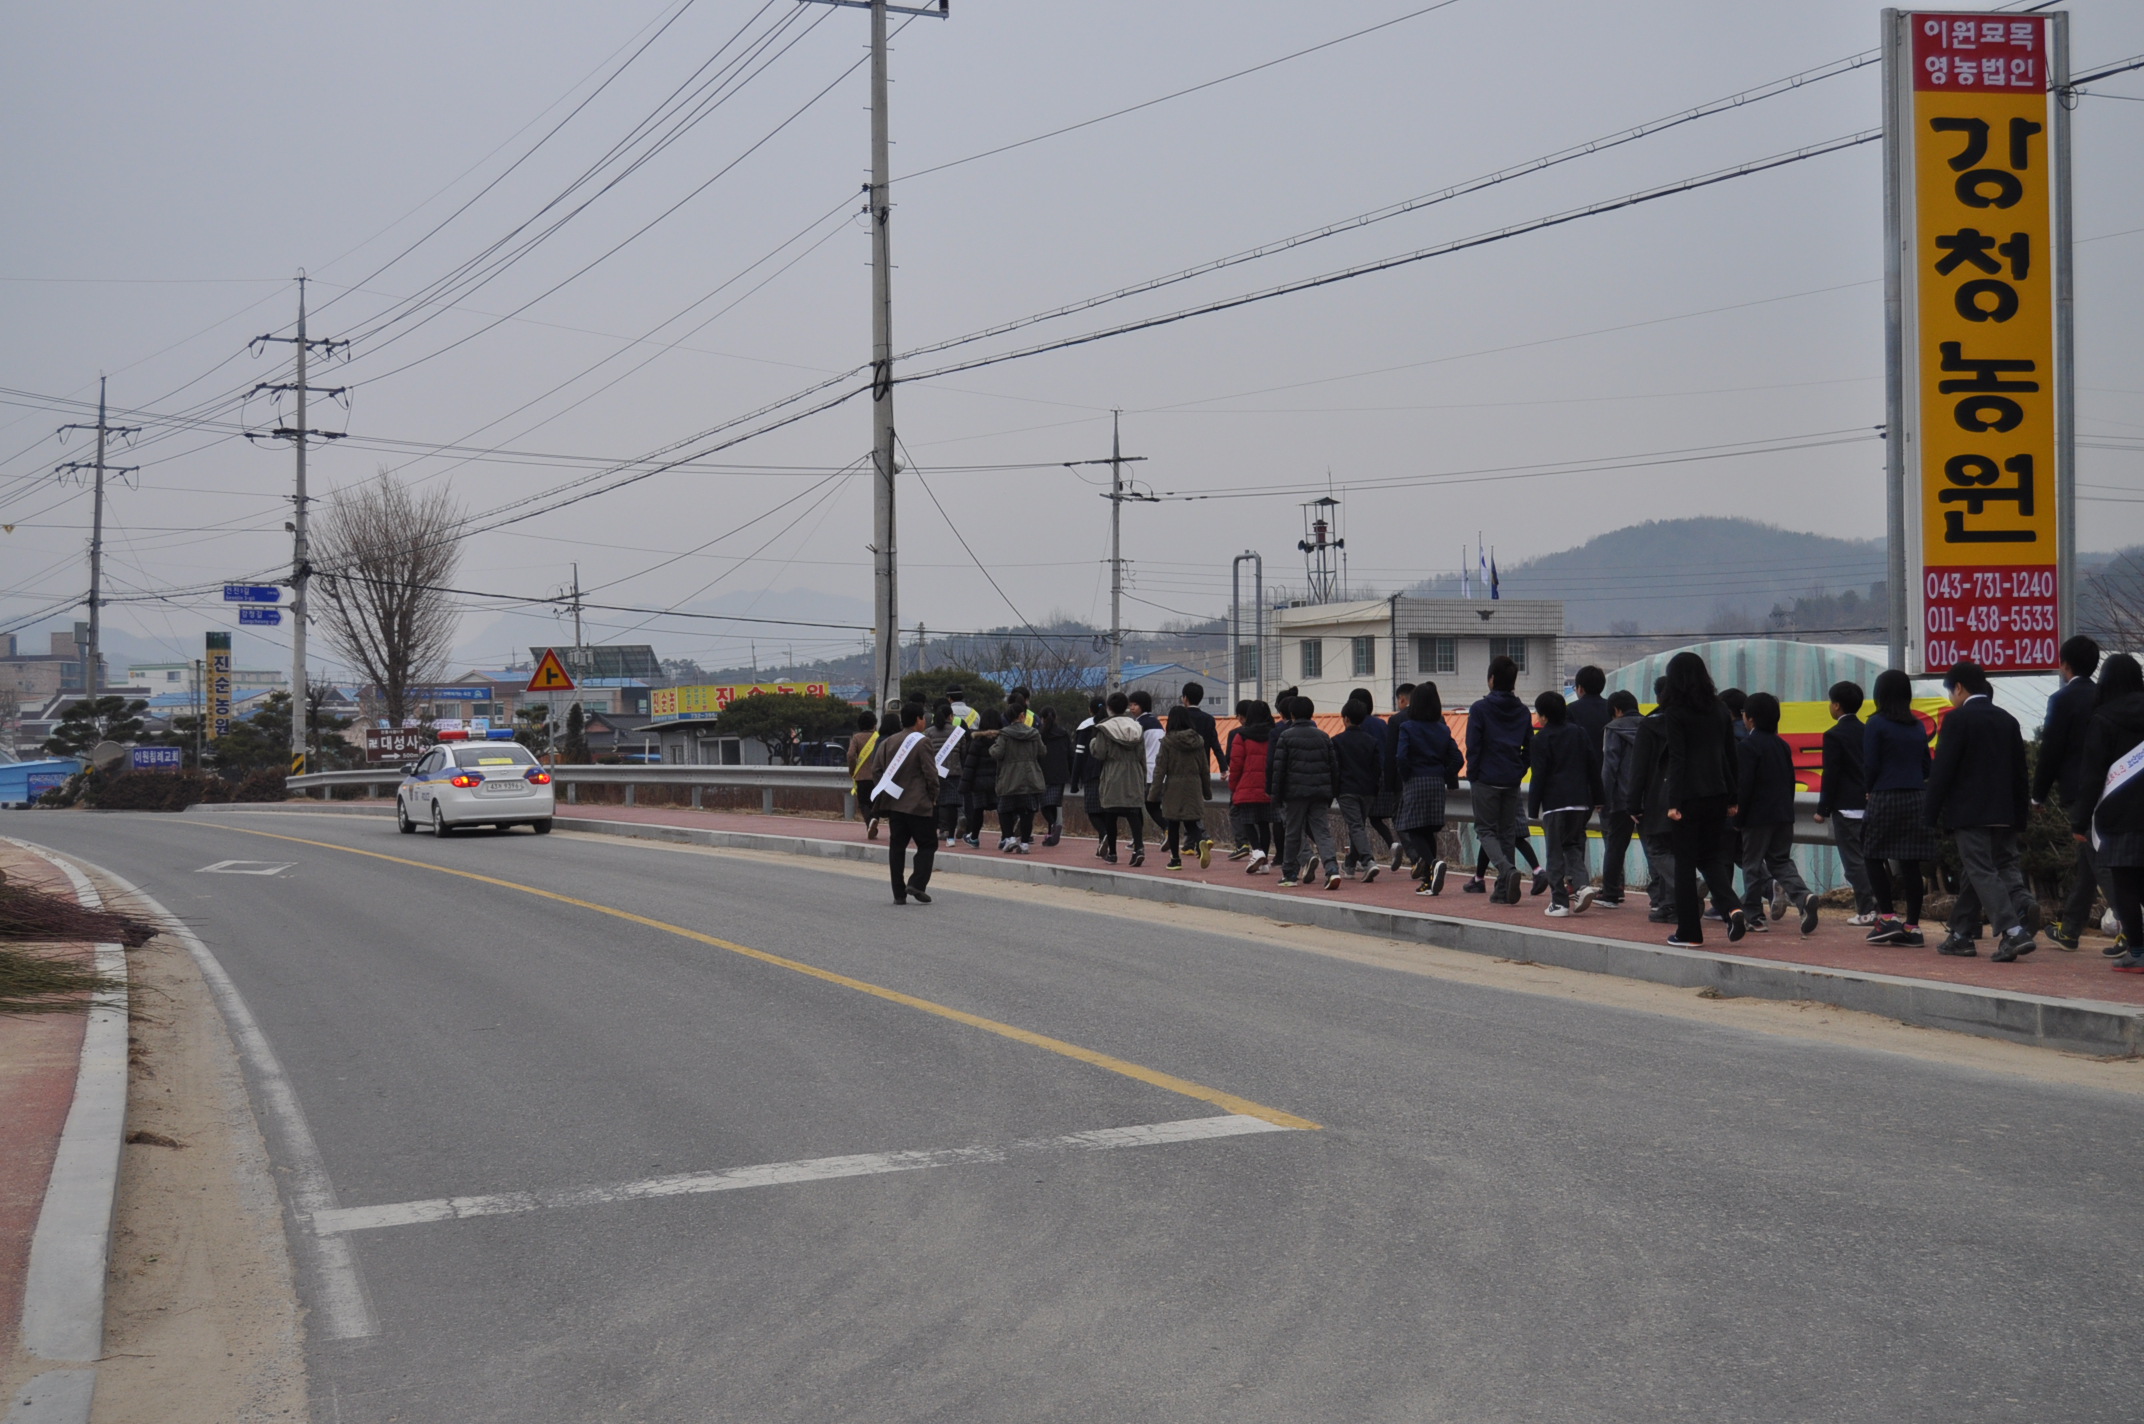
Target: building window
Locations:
point(1512, 648)
point(1364, 651)
point(1247, 662)
point(1313, 666)
point(1435, 655)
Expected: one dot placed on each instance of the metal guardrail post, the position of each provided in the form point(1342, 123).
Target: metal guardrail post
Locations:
point(629, 789)
point(766, 801)
point(696, 798)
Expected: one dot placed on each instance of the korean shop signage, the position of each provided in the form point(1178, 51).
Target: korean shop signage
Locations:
point(1979, 174)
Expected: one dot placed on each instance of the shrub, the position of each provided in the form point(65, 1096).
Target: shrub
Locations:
point(262, 786)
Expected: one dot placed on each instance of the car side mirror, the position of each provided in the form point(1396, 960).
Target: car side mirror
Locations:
point(409, 768)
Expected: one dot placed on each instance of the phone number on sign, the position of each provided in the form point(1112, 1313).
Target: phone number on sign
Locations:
point(1984, 585)
point(1994, 654)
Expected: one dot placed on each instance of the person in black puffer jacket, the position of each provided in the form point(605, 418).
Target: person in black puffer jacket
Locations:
point(2109, 812)
point(1301, 777)
point(1056, 773)
point(1699, 765)
point(1565, 787)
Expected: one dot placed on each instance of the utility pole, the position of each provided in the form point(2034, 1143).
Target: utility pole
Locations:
point(577, 644)
point(1118, 494)
point(92, 656)
point(885, 567)
point(300, 436)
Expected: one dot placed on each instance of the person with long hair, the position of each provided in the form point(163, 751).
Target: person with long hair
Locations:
point(1118, 749)
point(1428, 760)
point(1182, 782)
point(979, 774)
point(1700, 767)
point(1895, 836)
point(945, 729)
point(2109, 814)
point(1250, 809)
point(1056, 773)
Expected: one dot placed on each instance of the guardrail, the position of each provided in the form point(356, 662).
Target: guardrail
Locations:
point(1458, 805)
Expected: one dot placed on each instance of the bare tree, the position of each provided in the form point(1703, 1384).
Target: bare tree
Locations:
point(384, 558)
point(2111, 602)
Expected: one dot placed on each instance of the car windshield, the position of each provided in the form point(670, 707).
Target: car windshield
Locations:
point(494, 754)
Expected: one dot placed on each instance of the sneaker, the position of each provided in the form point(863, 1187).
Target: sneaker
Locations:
point(975, 842)
point(2064, 937)
point(2117, 949)
point(2015, 945)
point(871, 834)
point(1423, 889)
point(1511, 896)
point(1260, 861)
point(1205, 855)
point(1958, 947)
point(1101, 852)
point(1138, 859)
point(1369, 872)
point(1758, 924)
point(1241, 852)
point(1676, 941)
point(1352, 872)
point(1053, 837)
point(1863, 920)
point(1436, 878)
point(1586, 897)
point(1005, 843)
point(1473, 886)
point(1779, 905)
point(1110, 856)
point(1809, 917)
point(1660, 917)
point(2128, 964)
point(1332, 882)
point(1607, 902)
point(1176, 862)
point(1540, 884)
point(1558, 911)
point(1284, 883)
point(1889, 930)
point(1399, 858)
point(1737, 926)
point(1024, 848)
point(1909, 938)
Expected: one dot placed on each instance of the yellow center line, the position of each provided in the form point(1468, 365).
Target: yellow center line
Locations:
point(1058, 1046)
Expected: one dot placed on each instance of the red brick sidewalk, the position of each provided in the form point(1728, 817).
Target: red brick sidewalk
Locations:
point(40, 1055)
point(1835, 945)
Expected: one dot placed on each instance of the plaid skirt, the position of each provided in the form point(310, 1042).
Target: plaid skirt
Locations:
point(1421, 802)
point(1897, 827)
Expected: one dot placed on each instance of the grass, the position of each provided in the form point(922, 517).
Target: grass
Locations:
point(35, 983)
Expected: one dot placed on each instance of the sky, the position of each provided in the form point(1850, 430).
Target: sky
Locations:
point(175, 166)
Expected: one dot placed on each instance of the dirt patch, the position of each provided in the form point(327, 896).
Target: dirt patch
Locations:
point(201, 1313)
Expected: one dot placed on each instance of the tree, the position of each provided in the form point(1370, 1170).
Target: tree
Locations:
point(779, 721)
point(107, 719)
point(928, 687)
point(2110, 601)
point(261, 741)
point(576, 747)
point(533, 726)
point(384, 560)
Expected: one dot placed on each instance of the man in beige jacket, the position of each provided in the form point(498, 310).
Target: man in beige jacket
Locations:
point(902, 779)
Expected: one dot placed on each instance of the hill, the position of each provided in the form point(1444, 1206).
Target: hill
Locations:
point(1681, 575)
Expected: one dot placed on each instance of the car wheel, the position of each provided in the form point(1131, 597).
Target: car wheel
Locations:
point(542, 827)
point(402, 821)
point(439, 822)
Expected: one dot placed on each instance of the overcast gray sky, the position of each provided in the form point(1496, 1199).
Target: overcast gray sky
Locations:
point(171, 166)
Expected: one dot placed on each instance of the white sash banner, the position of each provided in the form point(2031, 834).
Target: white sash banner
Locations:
point(950, 743)
point(2119, 775)
point(886, 786)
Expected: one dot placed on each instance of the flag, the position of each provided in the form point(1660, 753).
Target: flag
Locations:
point(1494, 590)
point(1481, 559)
point(1466, 587)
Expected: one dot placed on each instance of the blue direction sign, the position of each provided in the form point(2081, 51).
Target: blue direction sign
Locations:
point(155, 759)
point(269, 616)
point(251, 593)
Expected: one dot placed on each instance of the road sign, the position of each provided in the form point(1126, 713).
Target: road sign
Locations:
point(550, 674)
point(269, 616)
point(155, 759)
point(1979, 177)
point(251, 593)
point(395, 744)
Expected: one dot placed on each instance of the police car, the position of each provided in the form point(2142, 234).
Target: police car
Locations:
point(475, 783)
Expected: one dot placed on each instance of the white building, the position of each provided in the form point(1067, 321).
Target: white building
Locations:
point(1327, 650)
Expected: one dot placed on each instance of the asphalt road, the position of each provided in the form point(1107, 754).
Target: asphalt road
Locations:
point(1516, 1208)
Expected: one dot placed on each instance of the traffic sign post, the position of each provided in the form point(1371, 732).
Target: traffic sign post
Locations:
point(1982, 453)
point(251, 593)
point(271, 617)
point(550, 675)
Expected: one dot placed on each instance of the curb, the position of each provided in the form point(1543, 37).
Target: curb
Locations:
point(2088, 1026)
point(63, 1295)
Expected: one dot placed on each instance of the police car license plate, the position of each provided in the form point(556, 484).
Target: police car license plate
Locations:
point(503, 787)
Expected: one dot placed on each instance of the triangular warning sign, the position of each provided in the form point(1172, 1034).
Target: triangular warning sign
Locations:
point(550, 674)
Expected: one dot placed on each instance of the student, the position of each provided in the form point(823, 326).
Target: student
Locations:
point(1978, 791)
point(1020, 782)
point(1182, 782)
point(1377, 811)
point(1734, 699)
point(861, 744)
point(1590, 710)
point(979, 774)
point(1086, 767)
point(1300, 778)
point(1499, 740)
point(1565, 787)
point(1843, 798)
point(1402, 702)
point(1894, 762)
point(1360, 758)
point(1428, 761)
point(2109, 811)
point(1119, 752)
point(1655, 829)
point(1624, 795)
point(1699, 760)
point(904, 792)
point(1765, 816)
point(1250, 809)
point(944, 732)
point(2070, 712)
point(1151, 728)
point(1017, 708)
point(1193, 694)
point(1056, 772)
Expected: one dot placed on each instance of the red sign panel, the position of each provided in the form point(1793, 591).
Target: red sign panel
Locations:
point(394, 744)
point(2002, 618)
point(1979, 52)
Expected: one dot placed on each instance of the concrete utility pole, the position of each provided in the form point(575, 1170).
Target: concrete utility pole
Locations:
point(577, 643)
point(885, 567)
point(301, 558)
point(1118, 493)
point(93, 654)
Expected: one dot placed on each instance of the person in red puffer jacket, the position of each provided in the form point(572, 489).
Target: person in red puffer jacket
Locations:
point(1250, 809)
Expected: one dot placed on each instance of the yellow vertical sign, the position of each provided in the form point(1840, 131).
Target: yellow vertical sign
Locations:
point(1982, 460)
point(219, 684)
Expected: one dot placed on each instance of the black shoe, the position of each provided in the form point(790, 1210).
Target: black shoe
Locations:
point(1909, 939)
point(1436, 879)
point(1540, 884)
point(1958, 947)
point(2065, 937)
point(1678, 942)
point(900, 899)
point(918, 896)
point(1889, 929)
point(1809, 916)
point(2015, 945)
point(1475, 886)
point(2118, 949)
point(1110, 856)
point(1737, 926)
point(1138, 859)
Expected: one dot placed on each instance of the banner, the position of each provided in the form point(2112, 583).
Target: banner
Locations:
point(219, 684)
point(706, 701)
point(1978, 172)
